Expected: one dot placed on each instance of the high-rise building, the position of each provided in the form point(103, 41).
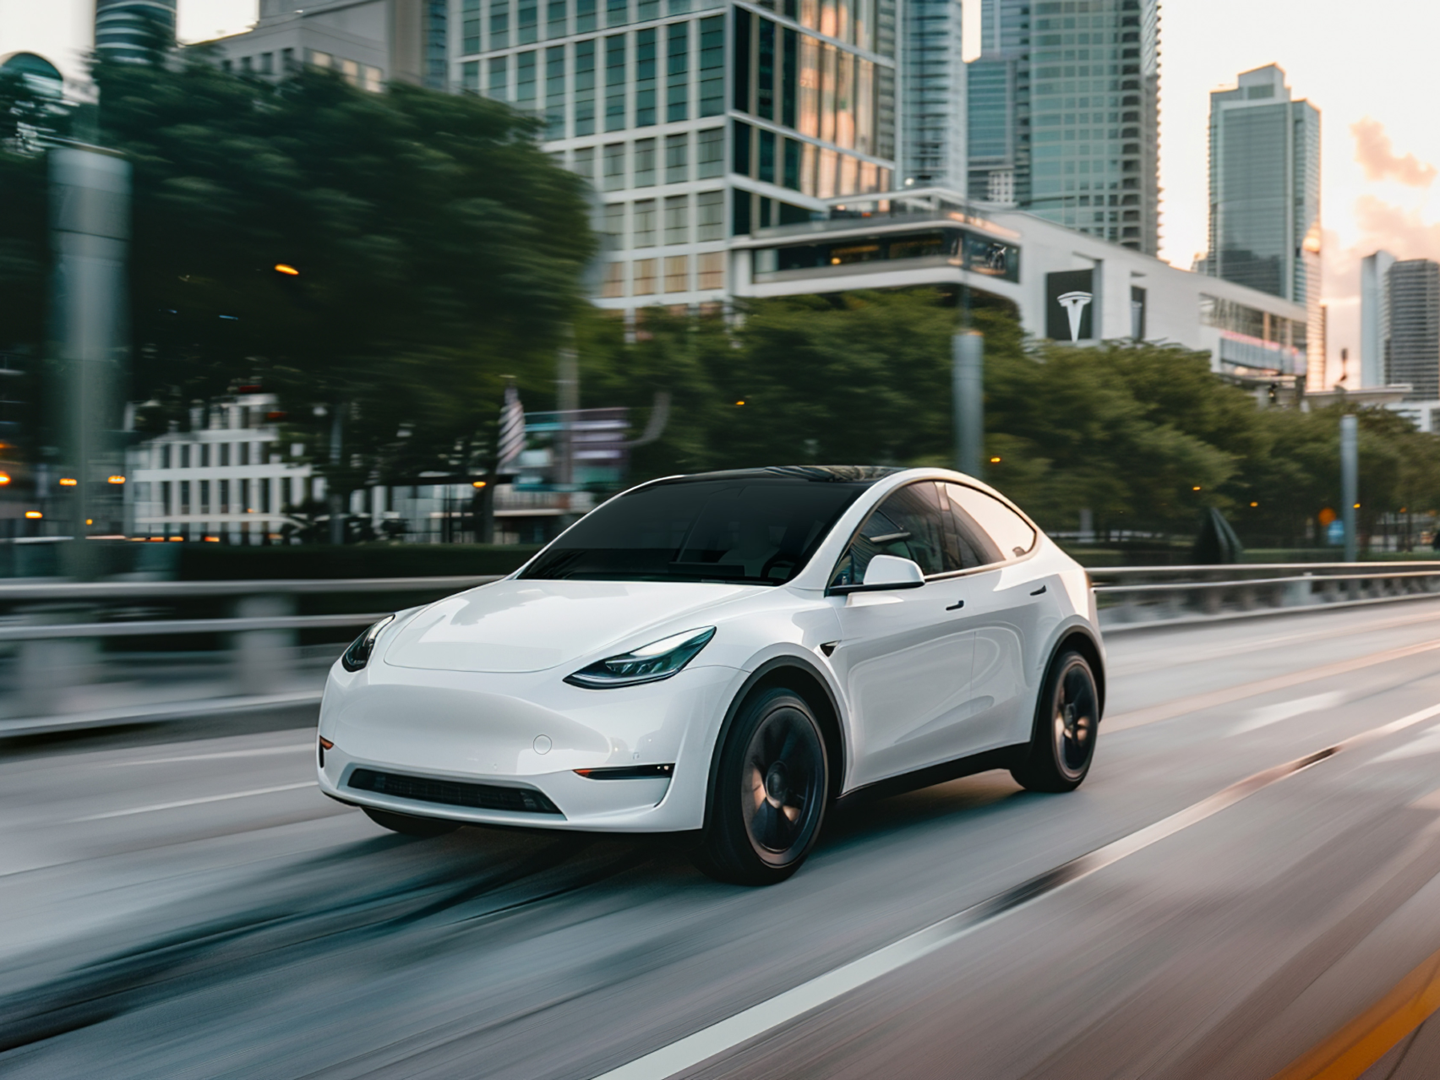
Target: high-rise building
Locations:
point(1374, 316)
point(1265, 195)
point(1413, 349)
point(124, 28)
point(1064, 114)
point(932, 95)
point(694, 120)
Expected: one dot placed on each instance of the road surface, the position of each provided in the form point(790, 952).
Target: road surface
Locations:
point(1250, 875)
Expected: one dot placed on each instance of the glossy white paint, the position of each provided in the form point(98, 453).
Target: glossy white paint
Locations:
point(464, 689)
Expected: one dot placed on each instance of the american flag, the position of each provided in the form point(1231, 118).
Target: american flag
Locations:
point(512, 431)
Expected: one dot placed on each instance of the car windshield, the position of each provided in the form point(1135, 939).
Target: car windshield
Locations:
point(755, 529)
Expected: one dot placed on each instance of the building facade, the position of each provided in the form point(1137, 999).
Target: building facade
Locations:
point(694, 120)
point(1374, 317)
point(932, 95)
point(1265, 195)
point(1413, 347)
point(123, 28)
point(1064, 114)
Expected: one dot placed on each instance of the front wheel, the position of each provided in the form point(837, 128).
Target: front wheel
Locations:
point(1067, 720)
point(770, 792)
point(409, 824)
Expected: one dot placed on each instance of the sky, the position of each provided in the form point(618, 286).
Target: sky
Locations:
point(1368, 65)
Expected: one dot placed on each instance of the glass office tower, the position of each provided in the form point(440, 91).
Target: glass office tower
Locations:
point(1064, 114)
point(933, 93)
point(1413, 347)
point(122, 26)
point(635, 97)
point(1265, 196)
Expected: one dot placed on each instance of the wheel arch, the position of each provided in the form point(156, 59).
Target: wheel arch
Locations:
point(790, 673)
point(1082, 642)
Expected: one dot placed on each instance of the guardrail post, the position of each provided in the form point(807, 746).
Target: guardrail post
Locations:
point(264, 659)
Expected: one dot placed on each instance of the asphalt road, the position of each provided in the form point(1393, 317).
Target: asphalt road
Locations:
point(1216, 901)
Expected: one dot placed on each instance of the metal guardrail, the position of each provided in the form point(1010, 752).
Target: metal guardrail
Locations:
point(1141, 595)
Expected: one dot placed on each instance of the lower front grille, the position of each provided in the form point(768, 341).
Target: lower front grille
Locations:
point(453, 792)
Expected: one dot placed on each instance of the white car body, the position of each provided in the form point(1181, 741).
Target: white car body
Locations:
point(471, 690)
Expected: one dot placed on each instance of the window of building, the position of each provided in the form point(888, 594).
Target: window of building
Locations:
point(741, 149)
point(528, 16)
point(645, 223)
point(614, 166)
point(808, 105)
point(710, 160)
point(375, 78)
point(789, 72)
point(740, 85)
point(556, 19)
point(585, 163)
point(469, 27)
point(499, 24)
point(649, 9)
point(710, 216)
point(644, 162)
point(677, 72)
point(525, 80)
point(585, 87)
point(614, 223)
point(228, 66)
point(765, 72)
point(677, 7)
point(267, 63)
point(645, 78)
point(247, 64)
point(555, 92)
point(584, 16)
point(287, 62)
point(613, 285)
point(677, 219)
point(710, 270)
point(615, 83)
point(321, 59)
point(498, 79)
point(677, 158)
point(350, 69)
point(617, 12)
point(677, 273)
point(767, 155)
point(791, 167)
point(644, 277)
point(712, 66)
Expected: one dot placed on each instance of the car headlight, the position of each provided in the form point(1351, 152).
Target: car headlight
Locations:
point(658, 660)
point(358, 654)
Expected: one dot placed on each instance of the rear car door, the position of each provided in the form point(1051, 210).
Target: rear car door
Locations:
point(904, 656)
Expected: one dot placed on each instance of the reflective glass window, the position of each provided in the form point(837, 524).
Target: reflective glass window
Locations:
point(710, 158)
point(644, 277)
point(677, 220)
point(617, 12)
point(677, 273)
point(677, 158)
point(712, 66)
point(585, 87)
point(614, 166)
point(741, 83)
point(555, 92)
point(585, 163)
point(525, 80)
point(615, 83)
point(677, 72)
point(470, 27)
point(527, 21)
point(499, 24)
point(645, 78)
point(470, 76)
point(584, 16)
point(644, 162)
point(789, 72)
point(645, 223)
point(649, 9)
point(499, 79)
point(991, 528)
point(765, 72)
point(909, 524)
point(710, 216)
point(555, 18)
point(710, 270)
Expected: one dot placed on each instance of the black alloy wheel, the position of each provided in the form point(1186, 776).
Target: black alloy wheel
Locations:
point(770, 794)
point(1067, 722)
point(409, 824)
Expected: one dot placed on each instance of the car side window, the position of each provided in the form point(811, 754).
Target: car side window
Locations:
point(909, 524)
point(994, 531)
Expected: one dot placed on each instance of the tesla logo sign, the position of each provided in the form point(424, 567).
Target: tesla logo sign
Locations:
point(1074, 304)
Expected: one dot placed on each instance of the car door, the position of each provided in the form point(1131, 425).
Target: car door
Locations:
point(904, 656)
point(1004, 603)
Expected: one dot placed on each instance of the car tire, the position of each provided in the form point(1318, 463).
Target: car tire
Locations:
point(1067, 722)
point(409, 824)
point(771, 789)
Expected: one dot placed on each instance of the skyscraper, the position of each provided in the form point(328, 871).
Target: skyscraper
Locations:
point(932, 95)
point(1414, 344)
point(1374, 316)
point(1064, 114)
point(1265, 195)
point(123, 27)
point(695, 120)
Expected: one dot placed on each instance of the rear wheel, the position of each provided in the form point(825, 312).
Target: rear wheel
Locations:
point(409, 824)
point(770, 792)
point(1067, 720)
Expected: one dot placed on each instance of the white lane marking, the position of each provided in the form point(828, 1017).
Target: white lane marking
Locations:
point(1284, 710)
point(194, 802)
point(1427, 743)
point(755, 1021)
point(293, 748)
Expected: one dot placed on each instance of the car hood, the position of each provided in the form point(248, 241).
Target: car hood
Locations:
point(530, 625)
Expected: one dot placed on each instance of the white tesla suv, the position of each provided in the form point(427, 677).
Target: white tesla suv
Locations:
point(728, 653)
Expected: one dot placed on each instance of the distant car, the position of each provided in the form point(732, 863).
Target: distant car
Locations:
point(728, 653)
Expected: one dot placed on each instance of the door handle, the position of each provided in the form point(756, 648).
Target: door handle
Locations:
point(1040, 590)
point(956, 606)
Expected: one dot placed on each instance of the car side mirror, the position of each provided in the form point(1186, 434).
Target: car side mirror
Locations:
point(885, 572)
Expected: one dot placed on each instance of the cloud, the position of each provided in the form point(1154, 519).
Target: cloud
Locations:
point(1374, 152)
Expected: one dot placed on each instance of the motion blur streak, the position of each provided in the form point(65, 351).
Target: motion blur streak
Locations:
point(282, 935)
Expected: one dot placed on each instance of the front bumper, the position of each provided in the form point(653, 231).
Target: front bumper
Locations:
point(526, 732)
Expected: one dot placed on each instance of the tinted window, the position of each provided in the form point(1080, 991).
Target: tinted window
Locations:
point(761, 531)
point(909, 524)
point(996, 531)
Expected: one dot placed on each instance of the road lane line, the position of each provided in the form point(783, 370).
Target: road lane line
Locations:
point(293, 748)
point(1371, 1035)
point(758, 1019)
point(1181, 706)
point(193, 802)
point(1285, 710)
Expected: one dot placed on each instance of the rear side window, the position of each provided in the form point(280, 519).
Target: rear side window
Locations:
point(909, 524)
point(989, 523)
